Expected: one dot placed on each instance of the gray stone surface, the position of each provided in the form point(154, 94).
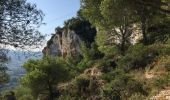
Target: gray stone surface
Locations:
point(67, 43)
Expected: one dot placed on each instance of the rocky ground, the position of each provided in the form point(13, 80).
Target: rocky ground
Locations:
point(163, 95)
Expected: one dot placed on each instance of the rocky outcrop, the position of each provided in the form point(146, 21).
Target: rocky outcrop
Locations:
point(67, 40)
point(66, 43)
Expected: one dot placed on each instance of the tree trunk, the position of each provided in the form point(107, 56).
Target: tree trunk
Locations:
point(123, 45)
point(123, 31)
point(143, 20)
point(143, 27)
point(50, 89)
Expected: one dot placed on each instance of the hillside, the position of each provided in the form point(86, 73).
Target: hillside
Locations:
point(112, 50)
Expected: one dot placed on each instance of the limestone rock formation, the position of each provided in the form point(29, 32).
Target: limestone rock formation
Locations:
point(67, 43)
point(67, 40)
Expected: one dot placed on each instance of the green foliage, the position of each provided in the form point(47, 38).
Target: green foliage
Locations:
point(85, 87)
point(89, 8)
point(161, 64)
point(66, 97)
point(159, 32)
point(89, 55)
point(122, 86)
point(104, 44)
point(23, 93)
point(82, 84)
point(20, 93)
point(3, 68)
point(4, 77)
point(162, 81)
point(137, 96)
point(49, 71)
point(19, 22)
point(114, 21)
point(27, 97)
point(85, 62)
point(138, 56)
point(111, 52)
point(106, 64)
point(166, 49)
point(112, 74)
point(114, 15)
point(72, 63)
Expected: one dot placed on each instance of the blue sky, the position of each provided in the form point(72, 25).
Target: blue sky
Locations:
point(56, 12)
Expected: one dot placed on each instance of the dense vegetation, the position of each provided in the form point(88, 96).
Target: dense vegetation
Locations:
point(132, 41)
point(18, 28)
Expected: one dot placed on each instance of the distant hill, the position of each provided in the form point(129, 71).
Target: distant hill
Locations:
point(14, 65)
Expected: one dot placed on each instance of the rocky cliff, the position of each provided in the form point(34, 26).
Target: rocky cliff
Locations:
point(67, 43)
point(67, 40)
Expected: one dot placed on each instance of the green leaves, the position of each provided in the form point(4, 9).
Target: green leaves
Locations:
point(19, 21)
point(45, 72)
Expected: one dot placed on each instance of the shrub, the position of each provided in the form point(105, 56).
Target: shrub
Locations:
point(106, 64)
point(22, 92)
point(138, 56)
point(26, 97)
point(112, 75)
point(162, 81)
point(137, 96)
point(49, 71)
point(161, 64)
point(122, 87)
point(66, 97)
point(82, 84)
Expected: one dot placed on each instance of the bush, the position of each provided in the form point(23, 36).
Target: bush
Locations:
point(161, 64)
point(138, 56)
point(122, 87)
point(162, 81)
point(77, 88)
point(26, 97)
point(22, 92)
point(49, 71)
point(89, 55)
point(106, 64)
point(83, 87)
point(109, 50)
point(137, 96)
point(112, 75)
point(82, 84)
point(66, 97)
point(166, 49)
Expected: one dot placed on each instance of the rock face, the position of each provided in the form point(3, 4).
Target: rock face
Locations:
point(67, 43)
point(67, 40)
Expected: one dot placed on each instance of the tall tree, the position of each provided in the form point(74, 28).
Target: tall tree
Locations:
point(111, 16)
point(44, 75)
point(147, 11)
point(18, 23)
